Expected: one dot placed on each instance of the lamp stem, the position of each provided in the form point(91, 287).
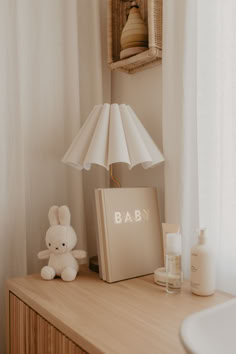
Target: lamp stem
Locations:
point(113, 178)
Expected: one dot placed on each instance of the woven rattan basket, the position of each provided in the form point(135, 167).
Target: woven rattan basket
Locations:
point(151, 11)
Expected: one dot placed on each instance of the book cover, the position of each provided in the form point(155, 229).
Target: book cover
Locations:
point(129, 232)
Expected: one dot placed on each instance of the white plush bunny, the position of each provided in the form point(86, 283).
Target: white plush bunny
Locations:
point(60, 240)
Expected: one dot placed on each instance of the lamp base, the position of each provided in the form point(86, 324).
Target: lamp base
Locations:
point(93, 264)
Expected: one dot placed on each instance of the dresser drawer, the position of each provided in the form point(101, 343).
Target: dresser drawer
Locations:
point(29, 333)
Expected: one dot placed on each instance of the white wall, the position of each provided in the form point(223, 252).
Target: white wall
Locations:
point(143, 92)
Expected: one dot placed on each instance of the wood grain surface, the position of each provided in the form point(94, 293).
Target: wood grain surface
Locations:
point(31, 334)
point(132, 316)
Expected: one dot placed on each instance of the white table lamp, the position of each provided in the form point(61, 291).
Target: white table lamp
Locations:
point(111, 134)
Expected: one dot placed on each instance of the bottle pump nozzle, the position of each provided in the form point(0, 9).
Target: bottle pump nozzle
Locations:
point(202, 235)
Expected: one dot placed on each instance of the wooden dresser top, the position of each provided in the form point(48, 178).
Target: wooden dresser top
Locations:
point(130, 317)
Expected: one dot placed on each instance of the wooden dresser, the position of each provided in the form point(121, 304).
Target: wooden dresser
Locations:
point(90, 316)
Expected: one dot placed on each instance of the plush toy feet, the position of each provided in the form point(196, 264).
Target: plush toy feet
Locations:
point(68, 274)
point(47, 273)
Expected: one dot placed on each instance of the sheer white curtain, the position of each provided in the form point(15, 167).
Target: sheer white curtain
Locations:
point(47, 61)
point(12, 177)
point(42, 97)
point(199, 75)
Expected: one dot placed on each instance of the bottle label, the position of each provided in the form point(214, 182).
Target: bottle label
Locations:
point(174, 283)
point(173, 270)
point(195, 285)
point(173, 264)
point(193, 269)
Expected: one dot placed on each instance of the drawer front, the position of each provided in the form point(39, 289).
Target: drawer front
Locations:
point(29, 333)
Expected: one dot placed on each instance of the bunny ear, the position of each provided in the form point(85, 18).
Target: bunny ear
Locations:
point(53, 215)
point(64, 215)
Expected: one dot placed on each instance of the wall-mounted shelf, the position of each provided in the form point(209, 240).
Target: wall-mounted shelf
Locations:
point(151, 11)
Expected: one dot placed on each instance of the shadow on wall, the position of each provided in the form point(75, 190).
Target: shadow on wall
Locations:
point(143, 92)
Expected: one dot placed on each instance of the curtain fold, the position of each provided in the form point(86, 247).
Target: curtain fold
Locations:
point(12, 175)
point(45, 109)
point(205, 78)
point(53, 71)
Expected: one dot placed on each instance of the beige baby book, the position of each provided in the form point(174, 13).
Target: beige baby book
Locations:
point(129, 232)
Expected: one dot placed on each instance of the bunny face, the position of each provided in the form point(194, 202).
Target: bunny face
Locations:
point(60, 239)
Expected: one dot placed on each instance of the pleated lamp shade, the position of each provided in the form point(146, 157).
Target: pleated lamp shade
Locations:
point(111, 134)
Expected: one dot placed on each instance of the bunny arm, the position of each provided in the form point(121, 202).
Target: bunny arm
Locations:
point(44, 254)
point(79, 254)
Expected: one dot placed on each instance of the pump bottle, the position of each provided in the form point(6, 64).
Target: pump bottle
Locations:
point(202, 267)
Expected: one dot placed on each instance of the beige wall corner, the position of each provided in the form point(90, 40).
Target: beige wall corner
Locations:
point(143, 92)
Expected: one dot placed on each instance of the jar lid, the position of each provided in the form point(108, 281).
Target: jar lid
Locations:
point(160, 276)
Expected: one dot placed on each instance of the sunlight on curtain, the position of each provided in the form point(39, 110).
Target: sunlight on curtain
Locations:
point(12, 177)
point(48, 77)
point(205, 76)
point(222, 161)
point(214, 120)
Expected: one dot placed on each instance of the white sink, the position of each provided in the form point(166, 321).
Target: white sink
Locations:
point(211, 331)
